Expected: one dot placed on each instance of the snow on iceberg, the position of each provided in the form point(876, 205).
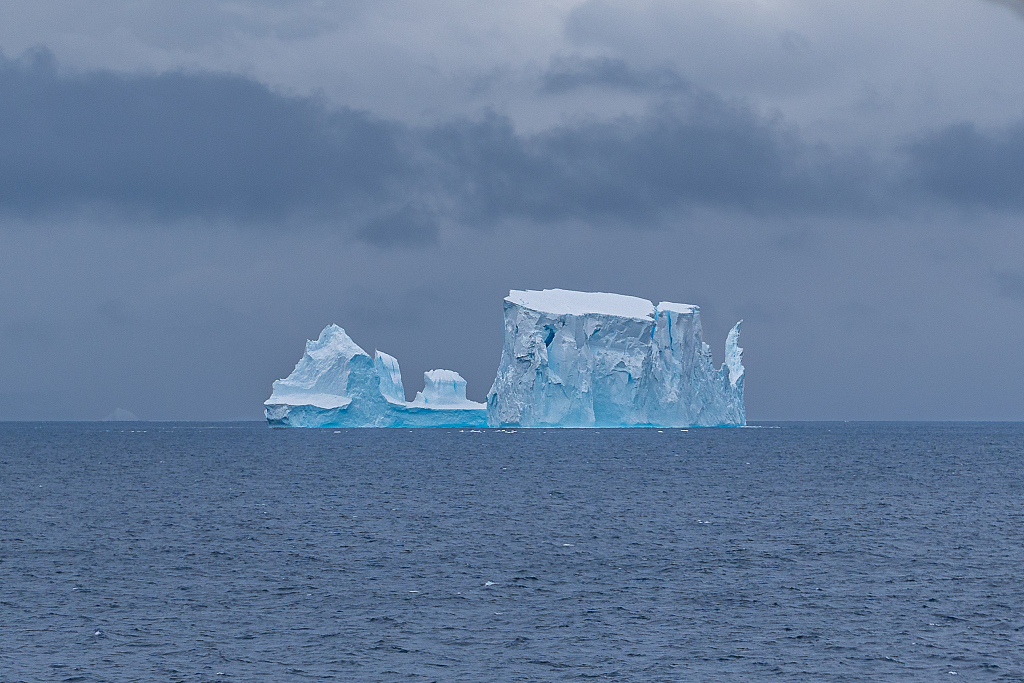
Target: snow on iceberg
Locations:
point(337, 384)
point(583, 359)
point(444, 388)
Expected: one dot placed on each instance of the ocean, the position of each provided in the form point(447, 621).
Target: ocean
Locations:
point(783, 552)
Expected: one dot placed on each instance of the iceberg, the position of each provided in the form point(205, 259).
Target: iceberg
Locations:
point(569, 359)
point(587, 359)
point(337, 384)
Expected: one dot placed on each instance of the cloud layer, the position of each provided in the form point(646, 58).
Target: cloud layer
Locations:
point(173, 145)
point(223, 147)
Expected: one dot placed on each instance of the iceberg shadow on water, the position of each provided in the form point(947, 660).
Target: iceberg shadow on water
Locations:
point(569, 359)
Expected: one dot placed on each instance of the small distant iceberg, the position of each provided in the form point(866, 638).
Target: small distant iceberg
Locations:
point(121, 415)
point(337, 384)
point(569, 359)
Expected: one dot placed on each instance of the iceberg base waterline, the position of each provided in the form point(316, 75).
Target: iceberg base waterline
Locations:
point(284, 415)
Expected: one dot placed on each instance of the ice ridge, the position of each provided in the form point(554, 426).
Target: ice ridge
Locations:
point(337, 384)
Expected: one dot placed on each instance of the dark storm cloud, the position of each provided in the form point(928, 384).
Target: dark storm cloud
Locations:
point(410, 225)
point(569, 73)
point(178, 144)
point(217, 146)
point(705, 153)
point(969, 167)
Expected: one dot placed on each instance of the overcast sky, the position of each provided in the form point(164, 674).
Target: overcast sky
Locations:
point(190, 190)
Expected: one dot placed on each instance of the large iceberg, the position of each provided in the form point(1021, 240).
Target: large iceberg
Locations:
point(578, 359)
point(337, 384)
point(569, 359)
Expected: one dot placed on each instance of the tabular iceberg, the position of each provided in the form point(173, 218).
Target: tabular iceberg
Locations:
point(569, 359)
point(577, 359)
point(337, 384)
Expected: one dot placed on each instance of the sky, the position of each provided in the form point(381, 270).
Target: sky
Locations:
point(190, 190)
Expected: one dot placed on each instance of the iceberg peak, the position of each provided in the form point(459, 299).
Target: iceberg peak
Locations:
point(321, 377)
point(337, 384)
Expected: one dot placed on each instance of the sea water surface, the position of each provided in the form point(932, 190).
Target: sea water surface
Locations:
point(233, 552)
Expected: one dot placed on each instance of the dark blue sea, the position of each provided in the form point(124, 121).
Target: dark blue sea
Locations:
point(789, 552)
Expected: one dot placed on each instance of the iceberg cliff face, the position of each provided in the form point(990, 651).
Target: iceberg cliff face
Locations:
point(576, 359)
point(390, 376)
point(337, 384)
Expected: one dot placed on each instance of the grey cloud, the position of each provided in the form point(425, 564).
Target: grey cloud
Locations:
point(966, 166)
point(1010, 284)
point(411, 225)
point(195, 24)
point(117, 313)
point(182, 144)
point(223, 147)
point(1016, 5)
point(568, 73)
point(701, 152)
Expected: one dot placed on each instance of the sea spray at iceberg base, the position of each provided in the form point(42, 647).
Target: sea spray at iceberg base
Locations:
point(337, 384)
point(577, 359)
point(569, 359)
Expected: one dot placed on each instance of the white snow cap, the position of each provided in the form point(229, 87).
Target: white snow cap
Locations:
point(333, 342)
point(565, 302)
point(677, 308)
point(444, 388)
